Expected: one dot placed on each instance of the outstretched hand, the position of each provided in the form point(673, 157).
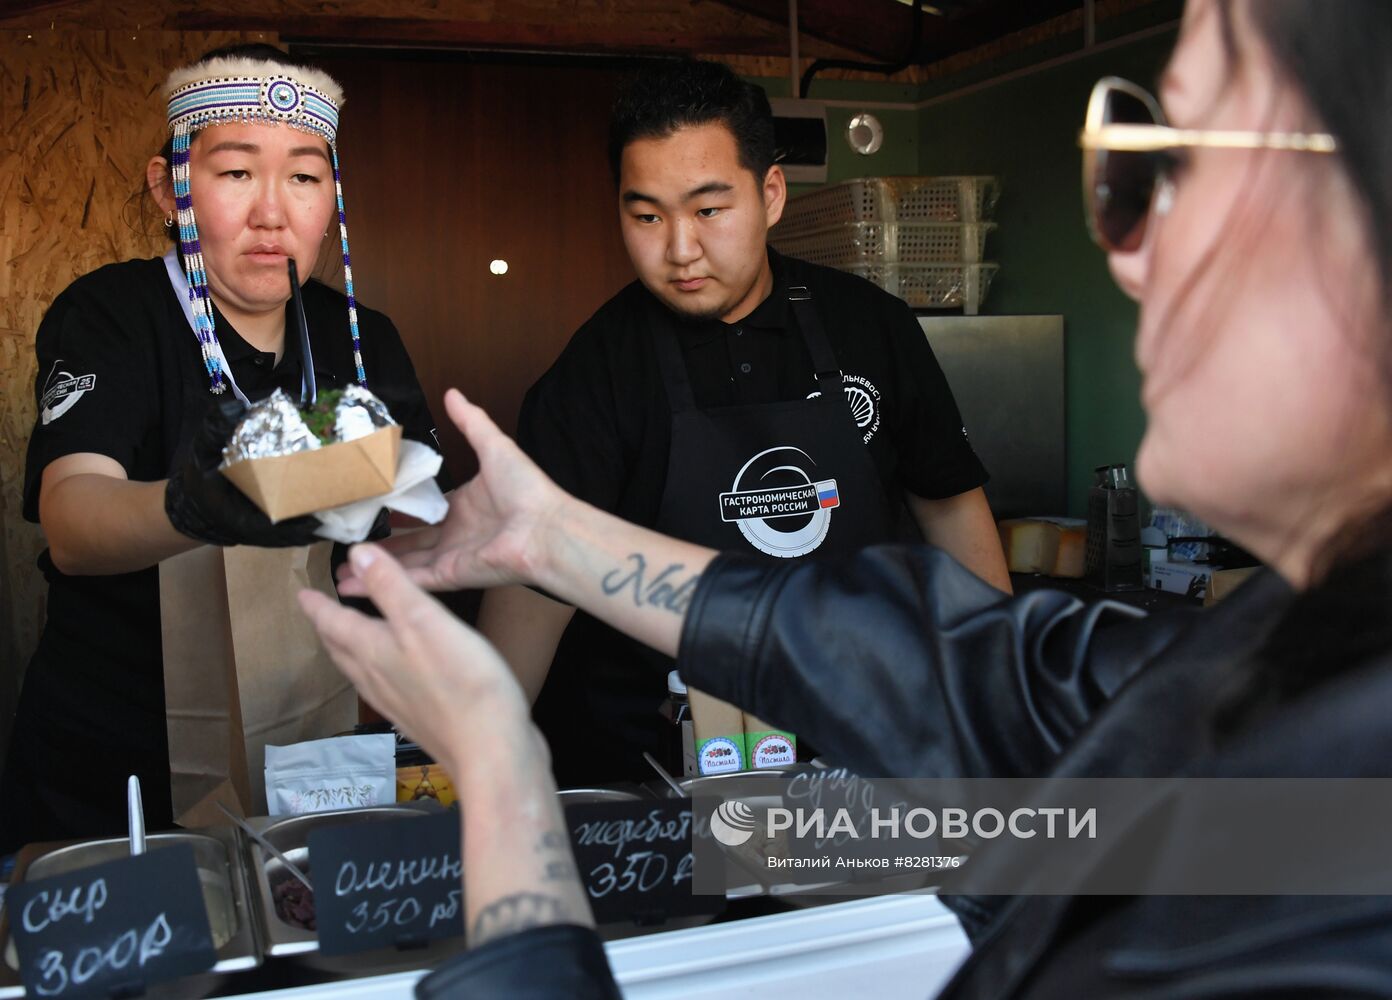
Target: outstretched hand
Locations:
point(492, 533)
point(511, 524)
point(443, 684)
point(422, 667)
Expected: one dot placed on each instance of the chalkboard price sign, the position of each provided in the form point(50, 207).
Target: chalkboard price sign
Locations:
point(112, 929)
point(635, 860)
point(392, 884)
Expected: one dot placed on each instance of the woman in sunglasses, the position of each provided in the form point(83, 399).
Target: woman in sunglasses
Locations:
point(1252, 219)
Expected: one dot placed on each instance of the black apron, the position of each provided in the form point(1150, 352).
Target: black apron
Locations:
point(778, 480)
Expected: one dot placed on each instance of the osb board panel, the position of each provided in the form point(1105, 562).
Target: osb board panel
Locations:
point(80, 113)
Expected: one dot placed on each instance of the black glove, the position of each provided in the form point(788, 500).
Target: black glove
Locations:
point(202, 503)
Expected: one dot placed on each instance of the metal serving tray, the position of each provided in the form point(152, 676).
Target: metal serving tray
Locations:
point(747, 861)
point(290, 835)
point(218, 856)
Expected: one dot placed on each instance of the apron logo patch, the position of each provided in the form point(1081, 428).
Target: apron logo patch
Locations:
point(61, 392)
point(779, 502)
point(779, 508)
point(864, 401)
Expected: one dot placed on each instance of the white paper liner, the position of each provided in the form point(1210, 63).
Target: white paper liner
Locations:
point(416, 494)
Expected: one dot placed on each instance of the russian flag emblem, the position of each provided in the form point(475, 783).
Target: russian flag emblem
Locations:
point(827, 495)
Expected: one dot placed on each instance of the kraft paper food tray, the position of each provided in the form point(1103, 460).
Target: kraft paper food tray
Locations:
point(285, 486)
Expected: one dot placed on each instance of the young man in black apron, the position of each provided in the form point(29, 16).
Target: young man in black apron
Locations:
point(730, 397)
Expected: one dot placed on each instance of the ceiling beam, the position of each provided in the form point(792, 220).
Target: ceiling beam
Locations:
point(876, 29)
point(567, 37)
point(985, 21)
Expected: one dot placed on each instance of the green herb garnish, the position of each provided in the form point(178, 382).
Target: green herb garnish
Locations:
point(320, 416)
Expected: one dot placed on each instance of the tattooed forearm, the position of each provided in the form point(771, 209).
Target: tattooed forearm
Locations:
point(518, 912)
point(666, 590)
point(561, 866)
point(522, 910)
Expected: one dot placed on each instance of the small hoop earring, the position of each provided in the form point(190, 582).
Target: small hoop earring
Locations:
point(169, 221)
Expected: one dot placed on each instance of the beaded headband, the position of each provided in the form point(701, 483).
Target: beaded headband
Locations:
point(222, 90)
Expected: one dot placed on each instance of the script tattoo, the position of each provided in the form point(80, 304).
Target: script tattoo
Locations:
point(666, 590)
point(561, 867)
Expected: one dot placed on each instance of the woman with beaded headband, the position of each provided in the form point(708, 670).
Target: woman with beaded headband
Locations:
point(142, 366)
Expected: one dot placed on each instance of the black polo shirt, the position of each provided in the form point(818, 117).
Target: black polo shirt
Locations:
point(119, 374)
point(599, 422)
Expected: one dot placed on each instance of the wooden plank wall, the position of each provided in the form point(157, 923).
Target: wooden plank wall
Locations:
point(80, 114)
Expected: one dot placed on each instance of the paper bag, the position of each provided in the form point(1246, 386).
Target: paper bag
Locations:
point(243, 667)
point(766, 745)
point(719, 734)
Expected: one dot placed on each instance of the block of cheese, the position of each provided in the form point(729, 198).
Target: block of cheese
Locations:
point(1224, 582)
point(1072, 550)
point(1054, 546)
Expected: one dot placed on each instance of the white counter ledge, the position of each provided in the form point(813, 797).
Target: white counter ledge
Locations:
point(893, 947)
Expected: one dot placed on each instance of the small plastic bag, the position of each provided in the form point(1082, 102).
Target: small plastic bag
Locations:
point(343, 772)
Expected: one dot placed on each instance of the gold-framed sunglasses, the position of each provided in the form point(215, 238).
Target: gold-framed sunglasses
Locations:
point(1126, 145)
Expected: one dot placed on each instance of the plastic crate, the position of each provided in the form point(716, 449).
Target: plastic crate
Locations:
point(892, 199)
point(932, 286)
point(892, 242)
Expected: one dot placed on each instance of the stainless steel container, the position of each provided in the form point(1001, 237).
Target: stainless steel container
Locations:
point(290, 835)
point(742, 781)
point(738, 874)
point(225, 894)
point(749, 860)
point(589, 796)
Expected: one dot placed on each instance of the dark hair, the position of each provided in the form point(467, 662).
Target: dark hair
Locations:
point(667, 96)
point(244, 50)
point(1336, 53)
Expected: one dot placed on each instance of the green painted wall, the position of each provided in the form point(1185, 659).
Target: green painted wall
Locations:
point(1024, 131)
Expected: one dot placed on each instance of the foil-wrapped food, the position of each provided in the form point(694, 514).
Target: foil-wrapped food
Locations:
point(276, 426)
point(292, 460)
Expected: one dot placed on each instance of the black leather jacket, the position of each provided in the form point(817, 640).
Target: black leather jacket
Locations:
point(903, 640)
